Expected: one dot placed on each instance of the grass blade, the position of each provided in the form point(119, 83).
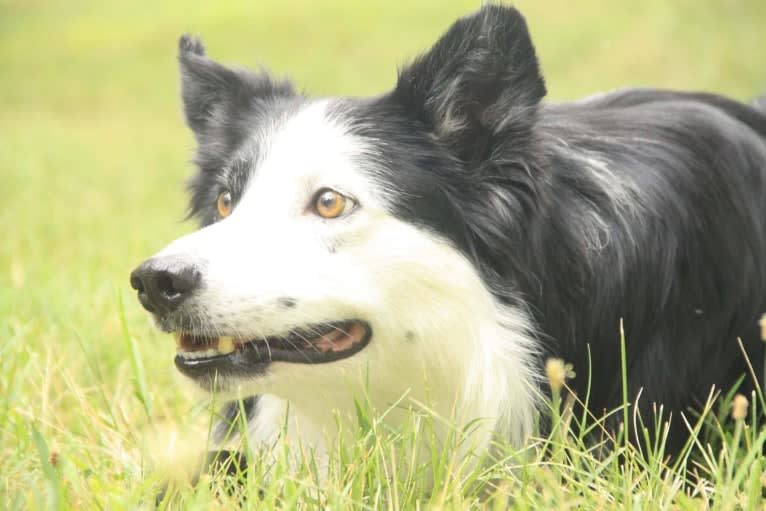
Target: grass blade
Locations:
point(136, 362)
point(50, 473)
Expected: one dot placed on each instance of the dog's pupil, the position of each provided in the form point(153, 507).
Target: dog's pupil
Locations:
point(329, 200)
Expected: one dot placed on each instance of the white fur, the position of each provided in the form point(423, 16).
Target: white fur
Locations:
point(438, 335)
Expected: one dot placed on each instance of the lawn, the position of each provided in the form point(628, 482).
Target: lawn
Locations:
point(93, 156)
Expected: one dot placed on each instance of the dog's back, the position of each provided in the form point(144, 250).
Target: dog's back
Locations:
point(662, 199)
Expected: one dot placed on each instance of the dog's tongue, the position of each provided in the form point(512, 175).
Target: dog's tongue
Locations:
point(339, 340)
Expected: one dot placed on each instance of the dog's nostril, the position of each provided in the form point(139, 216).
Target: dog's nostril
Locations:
point(136, 283)
point(173, 284)
point(165, 284)
point(185, 280)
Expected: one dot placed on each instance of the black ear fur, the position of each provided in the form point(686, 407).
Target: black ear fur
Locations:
point(212, 92)
point(205, 84)
point(480, 78)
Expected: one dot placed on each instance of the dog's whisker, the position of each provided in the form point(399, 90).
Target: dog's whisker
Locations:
point(308, 341)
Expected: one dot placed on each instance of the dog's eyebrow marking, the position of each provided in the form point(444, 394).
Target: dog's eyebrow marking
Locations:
point(409, 335)
point(287, 303)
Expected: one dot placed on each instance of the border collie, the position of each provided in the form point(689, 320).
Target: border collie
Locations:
point(441, 240)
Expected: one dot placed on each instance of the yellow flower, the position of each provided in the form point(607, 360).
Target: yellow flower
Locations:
point(762, 322)
point(558, 372)
point(739, 407)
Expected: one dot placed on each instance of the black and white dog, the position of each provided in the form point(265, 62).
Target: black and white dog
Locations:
point(442, 240)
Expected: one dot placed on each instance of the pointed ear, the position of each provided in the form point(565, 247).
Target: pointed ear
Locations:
point(481, 78)
point(205, 84)
point(213, 94)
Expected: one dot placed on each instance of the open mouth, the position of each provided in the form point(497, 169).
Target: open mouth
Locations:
point(198, 355)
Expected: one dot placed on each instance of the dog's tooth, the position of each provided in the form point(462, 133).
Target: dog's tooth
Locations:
point(206, 354)
point(225, 344)
point(198, 354)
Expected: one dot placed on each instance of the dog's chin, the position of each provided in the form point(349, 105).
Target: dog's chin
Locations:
point(215, 362)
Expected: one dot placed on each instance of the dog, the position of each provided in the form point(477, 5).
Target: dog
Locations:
point(442, 240)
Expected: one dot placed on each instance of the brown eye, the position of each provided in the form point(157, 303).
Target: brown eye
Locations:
point(331, 204)
point(224, 204)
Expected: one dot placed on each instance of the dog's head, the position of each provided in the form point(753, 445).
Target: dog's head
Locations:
point(341, 236)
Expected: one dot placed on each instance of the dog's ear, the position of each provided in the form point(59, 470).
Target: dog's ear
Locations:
point(481, 78)
point(212, 93)
point(205, 84)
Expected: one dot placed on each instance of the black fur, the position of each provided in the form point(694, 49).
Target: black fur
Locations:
point(642, 206)
point(465, 88)
point(231, 417)
point(666, 231)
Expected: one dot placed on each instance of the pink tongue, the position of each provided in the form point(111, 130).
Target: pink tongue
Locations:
point(338, 340)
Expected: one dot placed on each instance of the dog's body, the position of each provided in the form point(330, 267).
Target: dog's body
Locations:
point(479, 233)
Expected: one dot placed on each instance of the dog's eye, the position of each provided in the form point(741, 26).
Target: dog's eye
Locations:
point(331, 204)
point(224, 204)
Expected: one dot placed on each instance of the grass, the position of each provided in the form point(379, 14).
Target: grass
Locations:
point(92, 157)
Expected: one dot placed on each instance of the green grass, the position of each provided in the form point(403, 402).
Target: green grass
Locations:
point(93, 153)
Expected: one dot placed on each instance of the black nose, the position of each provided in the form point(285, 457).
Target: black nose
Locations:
point(163, 283)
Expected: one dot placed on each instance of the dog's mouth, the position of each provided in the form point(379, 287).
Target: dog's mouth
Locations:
point(315, 344)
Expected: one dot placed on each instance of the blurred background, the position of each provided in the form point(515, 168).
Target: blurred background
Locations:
point(94, 154)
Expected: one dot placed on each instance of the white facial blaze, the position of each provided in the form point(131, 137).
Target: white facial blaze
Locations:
point(437, 333)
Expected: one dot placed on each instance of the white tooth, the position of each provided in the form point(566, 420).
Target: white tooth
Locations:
point(225, 344)
point(198, 354)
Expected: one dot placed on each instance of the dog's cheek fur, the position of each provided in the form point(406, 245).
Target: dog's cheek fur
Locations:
point(439, 338)
point(437, 322)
